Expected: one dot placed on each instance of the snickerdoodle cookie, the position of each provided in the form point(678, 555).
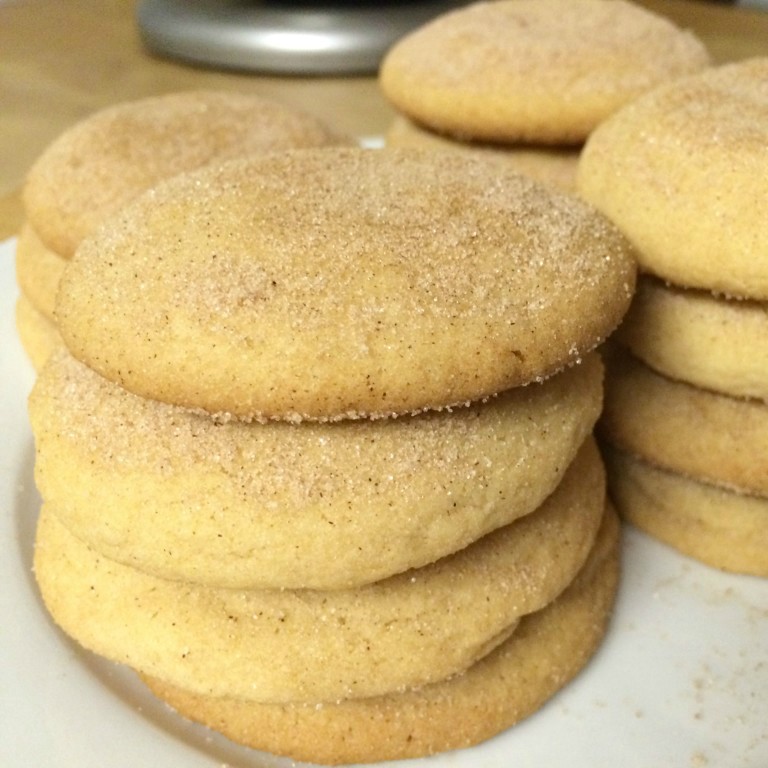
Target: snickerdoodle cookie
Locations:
point(113, 155)
point(340, 282)
point(550, 165)
point(683, 172)
point(307, 645)
point(714, 438)
point(717, 526)
point(544, 71)
point(322, 505)
point(694, 336)
point(545, 652)
point(109, 157)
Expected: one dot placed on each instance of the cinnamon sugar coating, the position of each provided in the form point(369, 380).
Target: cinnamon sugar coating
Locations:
point(296, 505)
point(341, 282)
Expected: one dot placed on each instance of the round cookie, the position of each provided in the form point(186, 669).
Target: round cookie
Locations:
point(38, 335)
point(283, 505)
point(713, 438)
point(705, 340)
point(541, 71)
point(546, 651)
point(716, 526)
point(305, 645)
point(549, 165)
point(111, 156)
point(340, 282)
point(38, 271)
point(680, 171)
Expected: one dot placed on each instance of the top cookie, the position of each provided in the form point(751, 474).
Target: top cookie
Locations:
point(534, 70)
point(339, 282)
point(684, 172)
point(117, 153)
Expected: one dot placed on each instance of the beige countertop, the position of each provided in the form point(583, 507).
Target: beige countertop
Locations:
point(62, 60)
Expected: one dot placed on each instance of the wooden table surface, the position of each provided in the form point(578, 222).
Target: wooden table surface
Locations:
point(62, 59)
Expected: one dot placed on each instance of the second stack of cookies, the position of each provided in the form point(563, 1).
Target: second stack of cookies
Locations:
point(683, 172)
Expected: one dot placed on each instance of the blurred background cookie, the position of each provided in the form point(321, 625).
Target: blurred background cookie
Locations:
point(542, 71)
point(107, 159)
point(526, 81)
point(96, 166)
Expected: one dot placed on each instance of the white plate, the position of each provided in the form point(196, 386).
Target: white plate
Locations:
point(681, 680)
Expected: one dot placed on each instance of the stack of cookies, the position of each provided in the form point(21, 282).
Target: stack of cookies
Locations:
point(684, 172)
point(112, 156)
point(317, 459)
point(524, 82)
